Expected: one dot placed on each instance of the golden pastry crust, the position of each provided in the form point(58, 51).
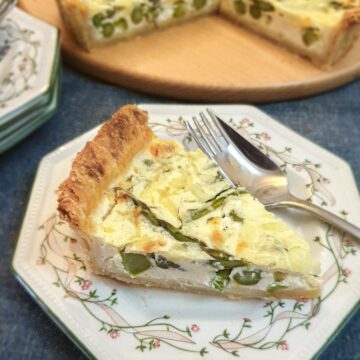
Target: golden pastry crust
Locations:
point(352, 16)
point(75, 15)
point(101, 160)
point(343, 38)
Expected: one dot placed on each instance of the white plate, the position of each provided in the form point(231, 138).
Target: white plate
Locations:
point(28, 53)
point(109, 320)
point(5, 7)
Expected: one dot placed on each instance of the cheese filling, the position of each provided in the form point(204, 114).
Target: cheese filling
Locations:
point(173, 215)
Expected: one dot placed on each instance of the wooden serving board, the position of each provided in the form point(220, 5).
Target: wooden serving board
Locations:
point(208, 59)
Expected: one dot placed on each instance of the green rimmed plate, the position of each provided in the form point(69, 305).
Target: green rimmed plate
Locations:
point(33, 120)
point(38, 103)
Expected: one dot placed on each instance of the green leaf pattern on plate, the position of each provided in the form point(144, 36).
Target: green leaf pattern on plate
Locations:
point(14, 84)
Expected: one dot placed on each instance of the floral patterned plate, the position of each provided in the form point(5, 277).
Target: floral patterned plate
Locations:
point(110, 320)
point(42, 101)
point(28, 62)
point(5, 7)
point(31, 121)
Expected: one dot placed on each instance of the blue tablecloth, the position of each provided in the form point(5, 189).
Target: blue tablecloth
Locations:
point(331, 120)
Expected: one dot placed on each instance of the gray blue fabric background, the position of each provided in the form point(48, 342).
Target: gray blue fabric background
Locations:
point(331, 120)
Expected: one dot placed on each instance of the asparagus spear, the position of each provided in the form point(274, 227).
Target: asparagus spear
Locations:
point(248, 277)
point(214, 204)
point(174, 231)
point(222, 277)
point(135, 264)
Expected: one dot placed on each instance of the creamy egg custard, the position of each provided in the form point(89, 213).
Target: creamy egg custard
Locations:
point(160, 216)
point(322, 30)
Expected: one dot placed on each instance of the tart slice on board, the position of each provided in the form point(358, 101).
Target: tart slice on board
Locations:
point(154, 214)
point(99, 22)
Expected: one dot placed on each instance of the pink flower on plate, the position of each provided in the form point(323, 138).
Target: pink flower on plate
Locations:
point(244, 121)
point(298, 168)
point(114, 334)
point(40, 262)
point(195, 328)
point(265, 136)
point(86, 284)
point(284, 346)
point(247, 320)
point(303, 299)
point(157, 343)
point(346, 272)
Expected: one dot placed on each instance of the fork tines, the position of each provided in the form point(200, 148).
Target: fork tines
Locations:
point(205, 135)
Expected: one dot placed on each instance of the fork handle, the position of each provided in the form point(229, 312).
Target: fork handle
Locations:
point(322, 214)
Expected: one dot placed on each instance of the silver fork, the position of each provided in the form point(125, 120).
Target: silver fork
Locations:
point(245, 165)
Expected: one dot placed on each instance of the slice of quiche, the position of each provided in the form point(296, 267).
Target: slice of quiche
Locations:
point(156, 215)
point(101, 22)
point(322, 30)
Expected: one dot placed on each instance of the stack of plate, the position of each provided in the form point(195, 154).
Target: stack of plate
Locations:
point(29, 75)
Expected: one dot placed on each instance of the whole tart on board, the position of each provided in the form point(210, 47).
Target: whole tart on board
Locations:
point(321, 30)
point(156, 215)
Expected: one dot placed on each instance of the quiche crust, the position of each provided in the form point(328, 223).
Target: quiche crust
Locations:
point(344, 36)
point(75, 14)
point(101, 160)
